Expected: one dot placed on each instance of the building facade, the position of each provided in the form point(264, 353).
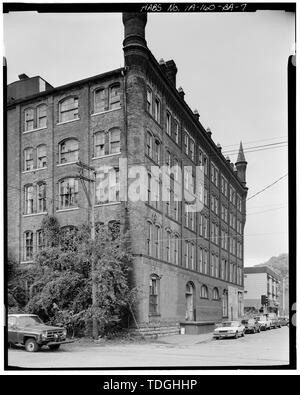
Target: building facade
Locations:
point(258, 281)
point(189, 265)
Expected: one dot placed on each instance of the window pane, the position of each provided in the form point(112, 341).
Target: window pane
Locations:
point(69, 151)
point(41, 156)
point(68, 192)
point(114, 97)
point(99, 100)
point(68, 109)
point(99, 140)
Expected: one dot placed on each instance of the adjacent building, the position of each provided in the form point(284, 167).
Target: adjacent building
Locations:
point(258, 281)
point(189, 265)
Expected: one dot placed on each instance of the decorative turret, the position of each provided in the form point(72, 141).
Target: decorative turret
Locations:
point(241, 165)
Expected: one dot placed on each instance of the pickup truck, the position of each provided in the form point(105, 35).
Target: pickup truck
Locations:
point(28, 330)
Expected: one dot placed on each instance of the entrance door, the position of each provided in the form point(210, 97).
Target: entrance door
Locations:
point(189, 300)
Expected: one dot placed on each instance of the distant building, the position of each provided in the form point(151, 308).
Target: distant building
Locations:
point(258, 281)
point(189, 266)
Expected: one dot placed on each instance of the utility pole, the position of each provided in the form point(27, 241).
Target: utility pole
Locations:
point(91, 202)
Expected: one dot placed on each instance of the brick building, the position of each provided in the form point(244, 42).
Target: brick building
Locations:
point(189, 265)
point(258, 281)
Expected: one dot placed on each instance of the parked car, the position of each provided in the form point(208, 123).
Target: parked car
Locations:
point(284, 321)
point(251, 325)
point(264, 322)
point(274, 321)
point(229, 329)
point(29, 330)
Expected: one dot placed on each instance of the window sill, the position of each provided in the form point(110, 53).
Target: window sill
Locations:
point(26, 262)
point(65, 164)
point(34, 130)
point(105, 156)
point(154, 315)
point(33, 170)
point(34, 214)
point(67, 209)
point(71, 120)
point(107, 204)
point(106, 111)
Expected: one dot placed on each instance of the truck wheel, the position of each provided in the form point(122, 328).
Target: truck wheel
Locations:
point(31, 345)
point(54, 346)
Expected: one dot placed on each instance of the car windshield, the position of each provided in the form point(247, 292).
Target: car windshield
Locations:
point(31, 320)
point(230, 323)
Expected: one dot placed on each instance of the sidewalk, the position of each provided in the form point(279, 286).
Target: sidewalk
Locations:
point(185, 340)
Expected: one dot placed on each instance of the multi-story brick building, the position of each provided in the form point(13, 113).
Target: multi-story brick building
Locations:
point(258, 281)
point(189, 265)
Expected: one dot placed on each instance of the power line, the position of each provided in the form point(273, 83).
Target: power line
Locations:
point(254, 141)
point(268, 186)
point(257, 146)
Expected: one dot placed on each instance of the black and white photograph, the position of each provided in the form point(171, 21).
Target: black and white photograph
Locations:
point(149, 187)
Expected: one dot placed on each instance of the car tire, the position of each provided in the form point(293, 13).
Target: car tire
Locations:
point(54, 347)
point(31, 345)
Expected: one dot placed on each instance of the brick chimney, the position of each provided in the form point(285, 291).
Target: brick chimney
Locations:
point(171, 71)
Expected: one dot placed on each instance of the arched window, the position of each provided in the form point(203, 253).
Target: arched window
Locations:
point(68, 193)
point(68, 151)
point(154, 294)
point(28, 159)
point(176, 249)
point(204, 292)
point(215, 294)
point(99, 144)
point(29, 119)
point(114, 141)
point(189, 301)
point(114, 96)
point(157, 241)
point(41, 156)
point(168, 245)
point(68, 109)
point(41, 197)
point(28, 245)
point(29, 199)
point(41, 113)
point(40, 239)
point(149, 238)
point(99, 100)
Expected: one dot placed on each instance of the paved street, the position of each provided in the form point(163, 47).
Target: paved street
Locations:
point(265, 348)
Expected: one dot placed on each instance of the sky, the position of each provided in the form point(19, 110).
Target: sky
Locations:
point(233, 70)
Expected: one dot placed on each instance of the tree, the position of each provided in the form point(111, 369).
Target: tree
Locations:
point(61, 277)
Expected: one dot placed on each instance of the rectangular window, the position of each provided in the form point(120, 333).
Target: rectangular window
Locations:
point(68, 193)
point(168, 247)
point(28, 159)
point(157, 110)
point(186, 143)
point(176, 250)
point(28, 246)
point(29, 120)
point(99, 144)
point(114, 97)
point(29, 199)
point(149, 100)
point(156, 151)
point(149, 238)
point(114, 141)
point(42, 198)
point(186, 254)
point(149, 144)
point(42, 116)
point(157, 242)
point(153, 296)
point(176, 132)
point(41, 156)
point(99, 100)
point(168, 116)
